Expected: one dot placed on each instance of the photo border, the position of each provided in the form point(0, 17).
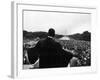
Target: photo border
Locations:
point(17, 27)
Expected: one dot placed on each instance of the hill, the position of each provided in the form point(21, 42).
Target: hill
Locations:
point(40, 34)
point(86, 36)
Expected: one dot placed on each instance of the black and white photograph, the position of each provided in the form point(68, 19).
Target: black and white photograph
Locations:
point(56, 39)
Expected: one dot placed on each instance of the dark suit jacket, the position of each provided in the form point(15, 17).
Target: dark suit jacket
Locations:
point(51, 54)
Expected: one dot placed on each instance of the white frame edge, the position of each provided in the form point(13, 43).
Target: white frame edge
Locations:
point(14, 33)
point(14, 67)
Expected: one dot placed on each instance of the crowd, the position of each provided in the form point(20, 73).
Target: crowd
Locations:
point(80, 48)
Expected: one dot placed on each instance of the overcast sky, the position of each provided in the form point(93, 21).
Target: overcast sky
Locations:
point(63, 23)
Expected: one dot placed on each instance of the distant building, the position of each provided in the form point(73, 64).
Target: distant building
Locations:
point(64, 38)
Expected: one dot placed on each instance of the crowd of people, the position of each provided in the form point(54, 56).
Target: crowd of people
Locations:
point(80, 48)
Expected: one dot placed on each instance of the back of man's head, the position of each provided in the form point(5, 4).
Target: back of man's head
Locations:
point(51, 32)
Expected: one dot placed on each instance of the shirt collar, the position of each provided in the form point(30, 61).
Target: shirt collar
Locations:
point(50, 37)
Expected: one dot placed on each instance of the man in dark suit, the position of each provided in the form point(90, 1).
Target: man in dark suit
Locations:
point(51, 53)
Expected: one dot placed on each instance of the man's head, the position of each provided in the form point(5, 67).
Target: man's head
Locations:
point(51, 32)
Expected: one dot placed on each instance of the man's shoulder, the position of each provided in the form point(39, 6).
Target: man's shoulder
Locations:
point(49, 41)
point(41, 41)
point(57, 42)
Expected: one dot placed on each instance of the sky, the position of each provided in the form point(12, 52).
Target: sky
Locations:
point(63, 23)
